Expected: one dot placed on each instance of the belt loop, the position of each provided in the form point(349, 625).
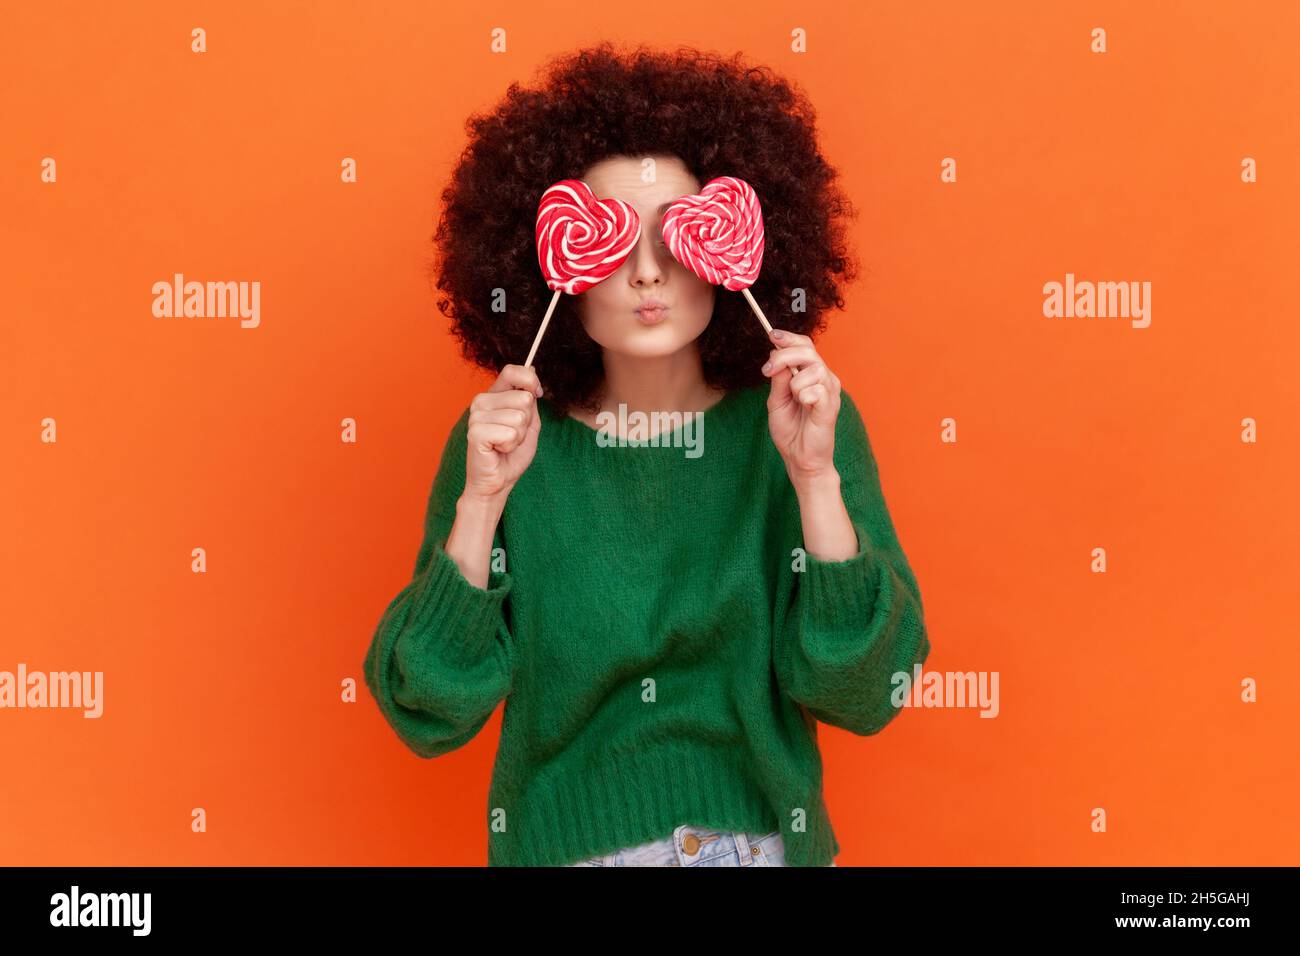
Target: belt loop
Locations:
point(742, 847)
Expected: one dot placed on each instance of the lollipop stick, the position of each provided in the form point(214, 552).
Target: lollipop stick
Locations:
point(757, 311)
point(762, 318)
point(538, 340)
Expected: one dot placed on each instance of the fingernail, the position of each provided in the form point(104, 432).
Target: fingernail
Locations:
point(767, 366)
point(776, 333)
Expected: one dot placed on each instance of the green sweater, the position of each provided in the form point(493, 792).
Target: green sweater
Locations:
point(656, 633)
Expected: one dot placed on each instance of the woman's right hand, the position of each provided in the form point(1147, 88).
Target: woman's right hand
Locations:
point(502, 433)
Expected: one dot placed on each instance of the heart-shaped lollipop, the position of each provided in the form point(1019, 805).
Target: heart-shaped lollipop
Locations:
point(718, 234)
point(581, 241)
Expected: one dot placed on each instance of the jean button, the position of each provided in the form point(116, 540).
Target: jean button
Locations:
point(691, 844)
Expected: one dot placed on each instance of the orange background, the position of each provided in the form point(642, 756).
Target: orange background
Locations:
point(222, 689)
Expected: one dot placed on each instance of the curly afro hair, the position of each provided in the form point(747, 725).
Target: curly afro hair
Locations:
point(721, 117)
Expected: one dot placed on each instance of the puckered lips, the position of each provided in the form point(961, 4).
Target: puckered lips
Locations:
point(652, 311)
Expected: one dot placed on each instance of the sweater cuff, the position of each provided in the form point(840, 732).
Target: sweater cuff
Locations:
point(842, 594)
point(469, 616)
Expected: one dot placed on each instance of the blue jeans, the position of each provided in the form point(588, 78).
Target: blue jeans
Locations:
point(699, 846)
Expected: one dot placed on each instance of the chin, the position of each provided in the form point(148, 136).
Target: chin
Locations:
point(653, 343)
point(647, 341)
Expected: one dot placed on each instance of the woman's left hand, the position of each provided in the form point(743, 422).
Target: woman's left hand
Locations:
point(802, 407)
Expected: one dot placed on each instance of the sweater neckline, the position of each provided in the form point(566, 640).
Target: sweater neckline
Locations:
point(713, 414)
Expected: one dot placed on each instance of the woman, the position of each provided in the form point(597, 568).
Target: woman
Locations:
point(666, 614)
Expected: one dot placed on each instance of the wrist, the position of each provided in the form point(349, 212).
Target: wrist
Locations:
point(815, 482)
point(473, 505)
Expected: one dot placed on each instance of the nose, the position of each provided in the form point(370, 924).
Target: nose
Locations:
point(647, 266)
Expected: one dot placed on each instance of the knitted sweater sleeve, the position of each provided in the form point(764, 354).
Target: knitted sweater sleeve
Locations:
point(441, 658)
point(851, 625)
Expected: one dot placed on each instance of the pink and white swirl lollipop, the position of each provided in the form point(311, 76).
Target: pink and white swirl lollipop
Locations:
point(718, 235)
point(581, 241)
